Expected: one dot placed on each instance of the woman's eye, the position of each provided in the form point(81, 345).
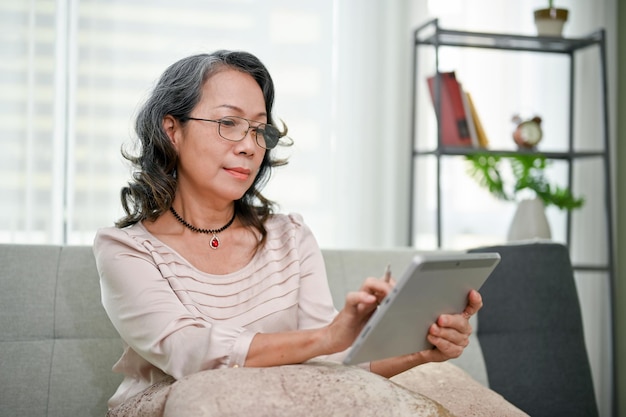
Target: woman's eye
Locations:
point(227, 122)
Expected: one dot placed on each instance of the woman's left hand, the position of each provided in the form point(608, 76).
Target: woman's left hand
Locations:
point(450, 333)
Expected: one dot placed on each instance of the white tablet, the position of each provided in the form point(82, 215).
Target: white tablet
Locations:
point(430, 286)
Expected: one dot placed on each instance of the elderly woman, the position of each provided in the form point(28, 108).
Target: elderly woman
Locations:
point(201, 273)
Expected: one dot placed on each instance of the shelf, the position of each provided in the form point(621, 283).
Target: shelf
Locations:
point(445, 37)
point(591, 268)
point(431, 36)
point(472, 151)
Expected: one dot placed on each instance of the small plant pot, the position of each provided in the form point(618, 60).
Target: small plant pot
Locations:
point(550, 21)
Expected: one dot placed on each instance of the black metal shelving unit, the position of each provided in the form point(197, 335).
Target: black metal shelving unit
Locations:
point(432, 35)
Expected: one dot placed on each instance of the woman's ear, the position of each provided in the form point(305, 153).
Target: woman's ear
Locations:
point(171, 126)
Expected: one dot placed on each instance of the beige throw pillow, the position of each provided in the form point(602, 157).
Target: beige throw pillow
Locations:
point(457, 391)
point(312, 390)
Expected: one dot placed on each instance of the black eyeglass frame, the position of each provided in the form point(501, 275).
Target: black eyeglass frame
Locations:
point(261, 128)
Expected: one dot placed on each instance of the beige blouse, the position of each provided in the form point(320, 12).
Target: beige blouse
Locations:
point(178, 320)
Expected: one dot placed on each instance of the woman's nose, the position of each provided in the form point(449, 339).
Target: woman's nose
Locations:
point(248, 144)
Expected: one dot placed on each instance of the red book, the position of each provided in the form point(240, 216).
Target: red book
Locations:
point(454, 127)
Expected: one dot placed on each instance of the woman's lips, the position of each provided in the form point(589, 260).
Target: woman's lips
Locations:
point(239, 173)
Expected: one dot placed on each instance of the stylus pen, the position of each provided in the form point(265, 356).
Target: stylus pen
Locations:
point(387, 274)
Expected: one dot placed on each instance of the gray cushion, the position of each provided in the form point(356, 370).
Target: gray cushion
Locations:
point(78, 310)
point(57, 345)
point(531, 332)
point(26, 344)
point(25, 367)
point(27, 298)
point(81, 380)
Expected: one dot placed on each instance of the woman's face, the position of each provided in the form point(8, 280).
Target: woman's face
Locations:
point(208, 165)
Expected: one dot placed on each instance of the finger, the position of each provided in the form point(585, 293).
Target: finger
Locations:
point(457, 322)
point(353, 299)
point(374, 284)
point(376, 287)
point(451, 334)
point(474, 303)
point(361, 304)
point(447, 348)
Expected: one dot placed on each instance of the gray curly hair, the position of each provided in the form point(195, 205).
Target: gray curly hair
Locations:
point(151, 191)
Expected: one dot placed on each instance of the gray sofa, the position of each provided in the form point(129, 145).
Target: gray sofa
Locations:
point(57, 345)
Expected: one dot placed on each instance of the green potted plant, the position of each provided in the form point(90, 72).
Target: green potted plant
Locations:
point(550, 21)
point(528, 172)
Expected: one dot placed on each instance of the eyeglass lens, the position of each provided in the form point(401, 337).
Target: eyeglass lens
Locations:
point(236, 128)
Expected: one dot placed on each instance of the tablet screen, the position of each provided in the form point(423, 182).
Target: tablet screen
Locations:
point(431, 285)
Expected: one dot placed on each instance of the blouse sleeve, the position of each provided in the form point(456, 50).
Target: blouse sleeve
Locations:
point(315, 303)
point(316, 308)
point(151, 319)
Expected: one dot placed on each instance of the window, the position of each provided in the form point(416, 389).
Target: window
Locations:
point(74, 73)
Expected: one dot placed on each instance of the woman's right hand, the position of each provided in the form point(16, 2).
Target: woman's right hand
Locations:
point(359, 306)
point(272, 349)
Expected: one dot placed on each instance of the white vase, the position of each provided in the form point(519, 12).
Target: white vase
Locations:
point(529, 221)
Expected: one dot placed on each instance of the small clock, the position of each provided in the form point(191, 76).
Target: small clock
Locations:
point(528, 133)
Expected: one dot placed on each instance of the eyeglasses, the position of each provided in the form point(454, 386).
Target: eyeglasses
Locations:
point(235, 129)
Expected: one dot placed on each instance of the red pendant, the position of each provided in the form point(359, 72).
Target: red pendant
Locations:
point(215, 242)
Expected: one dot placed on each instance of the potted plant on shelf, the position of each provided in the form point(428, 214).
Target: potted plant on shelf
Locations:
point(528, 172)
point(550, 21)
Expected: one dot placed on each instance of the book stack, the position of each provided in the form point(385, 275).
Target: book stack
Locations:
point(459, 121)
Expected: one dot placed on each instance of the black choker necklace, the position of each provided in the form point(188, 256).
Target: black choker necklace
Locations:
point(215, 242)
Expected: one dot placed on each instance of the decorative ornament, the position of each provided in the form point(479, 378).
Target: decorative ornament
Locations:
point(527, 133)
